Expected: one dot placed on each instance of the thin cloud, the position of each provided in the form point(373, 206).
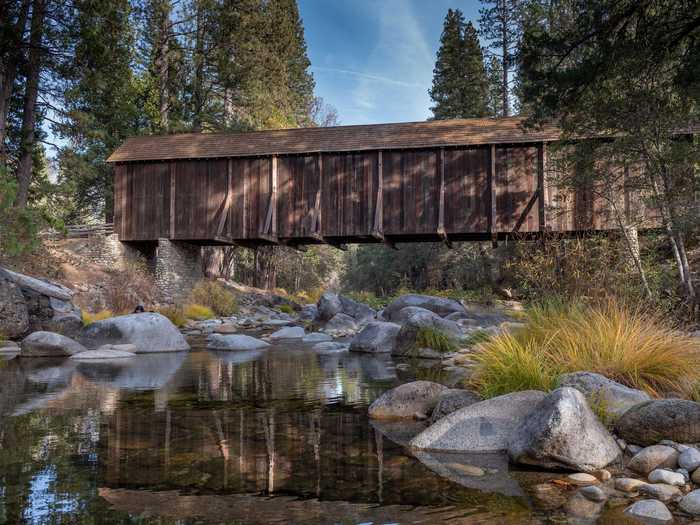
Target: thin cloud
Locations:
point(367, 76)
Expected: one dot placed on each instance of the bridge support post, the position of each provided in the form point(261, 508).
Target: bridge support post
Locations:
point(178, 267)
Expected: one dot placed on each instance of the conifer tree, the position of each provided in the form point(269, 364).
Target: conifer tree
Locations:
point(459, 78)
point(494, 73)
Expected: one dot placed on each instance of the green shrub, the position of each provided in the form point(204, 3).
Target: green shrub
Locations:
point(436, 339)
point(629, 345)
point(286, 308)
point(214, 296)
point(175, 314)
point(198, 312)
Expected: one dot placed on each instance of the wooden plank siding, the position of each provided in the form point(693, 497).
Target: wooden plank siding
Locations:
point(347, 197)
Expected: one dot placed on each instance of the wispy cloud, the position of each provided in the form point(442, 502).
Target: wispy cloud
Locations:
point(367, 76)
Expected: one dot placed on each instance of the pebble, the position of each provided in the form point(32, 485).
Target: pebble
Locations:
point(9, 346)
point(649, 509)
point(689, 459)
point(660, 491)
point(582, 479)
point(653, 457)
point(691, 503)
point(667, 476)
point(628, 484)
point(593, 493)
point(602, 475)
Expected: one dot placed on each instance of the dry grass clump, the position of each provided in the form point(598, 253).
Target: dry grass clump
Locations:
point(198, 312)
point(89, 318)
point(626, 344)
point(214, 296)
point(129, 287)
point(175, 314)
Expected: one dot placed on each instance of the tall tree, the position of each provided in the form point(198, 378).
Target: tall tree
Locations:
point(494, 74)
point(500, 25)
point(29, 114)
point(459, 79)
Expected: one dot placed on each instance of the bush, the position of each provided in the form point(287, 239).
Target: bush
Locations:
point(308, 296)
point(429, 337)
point(89, 318)
point(175, 314)
point(214, 296)
point(629, 345)
point(286, 308)
point(128, 287)
point(198, 312)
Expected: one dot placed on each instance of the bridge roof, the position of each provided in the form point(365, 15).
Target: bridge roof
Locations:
point(424, 134)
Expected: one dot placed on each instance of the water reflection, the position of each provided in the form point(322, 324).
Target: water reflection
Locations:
point(273, 436)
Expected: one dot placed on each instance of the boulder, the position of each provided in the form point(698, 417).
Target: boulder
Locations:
point(651, 458)
point(669, 477)
point(376, 337)
point(660, 491)
point(614, 397)
point(235, 342)
point(149, 332)
point(341, 324)
point(49, 344)
point(648, 423)
point(408, 401)
point(406, 338)
point(405, 314)
point(452, 400)
point(689, 459)
point(439, 305)
point(358, 311)
point(328, 306)
point(486, 426)
point(106, 352)
point(330, 347)
point(308, 312)
point(649, 511)
point(691, 503)
point(14, 316)
point(288, 332)
point(563, 432)
point(48, 304)
point(316, 337)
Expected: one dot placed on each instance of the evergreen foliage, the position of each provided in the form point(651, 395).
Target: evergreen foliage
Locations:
point(460, 86)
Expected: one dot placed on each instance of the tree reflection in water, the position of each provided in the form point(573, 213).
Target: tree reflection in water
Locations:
point(204, 435)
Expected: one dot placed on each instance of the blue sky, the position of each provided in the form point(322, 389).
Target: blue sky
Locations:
point(373, 59)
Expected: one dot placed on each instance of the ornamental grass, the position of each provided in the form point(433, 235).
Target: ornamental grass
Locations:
point(628, 344)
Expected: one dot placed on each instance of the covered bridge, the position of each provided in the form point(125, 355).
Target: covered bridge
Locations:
point(449, 180)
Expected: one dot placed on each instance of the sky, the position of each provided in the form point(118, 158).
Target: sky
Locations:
point(373, 59)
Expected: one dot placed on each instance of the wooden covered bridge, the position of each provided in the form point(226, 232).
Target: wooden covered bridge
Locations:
point(448, 180)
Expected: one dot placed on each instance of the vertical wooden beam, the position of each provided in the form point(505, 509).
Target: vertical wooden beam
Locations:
point(441, 210)
point(273, 201)
point(172, 200)
point(541, 167)
point(378, 227)
point(493, 227)
point(226, 205)
point(317, 204)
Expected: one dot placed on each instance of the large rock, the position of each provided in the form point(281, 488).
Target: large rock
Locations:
point(341, 324)
point(482, 427)
point(358, 311)
point(452, 400)
point(328, 306)
point(563, 432)
point(107, 352)
point(408, 401)
point(614, 397)
point(376, 337)
point(235, 342)
point(439, 305)
point(48, 304)
point(406, 338)
point(14, 316)
point(691, 503)
point(49, 344)
point(673, 419)
point(316, 337)
point(149, 332)
point(405, 314)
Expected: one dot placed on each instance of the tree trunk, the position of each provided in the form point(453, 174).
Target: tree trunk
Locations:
point(24, 168)
point(8, 74)
point(504, 43)
point(162, 63)
point(198, 83)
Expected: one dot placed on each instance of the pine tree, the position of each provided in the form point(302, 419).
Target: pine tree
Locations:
point(459, 79)
point(494, 72)
point(500, 25)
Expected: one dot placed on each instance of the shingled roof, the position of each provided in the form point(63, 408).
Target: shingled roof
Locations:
point(335, 139)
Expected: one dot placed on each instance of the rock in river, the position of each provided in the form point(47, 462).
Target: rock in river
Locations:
point(376, 337)
point(49, 344)
point(673, 419)
point(563, 432)
point(691, 503)
point(288, 332)
point(408, 401)
point(235, 342)
point(14, 316)
point(439, 305)
point(616, 398)
point(452, 400)
point(482, 427)
point(651, 458)
point(149, 332)
point(650, 511)
point(406, 338)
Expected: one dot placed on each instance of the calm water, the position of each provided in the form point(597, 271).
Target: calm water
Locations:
point(279, 436)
